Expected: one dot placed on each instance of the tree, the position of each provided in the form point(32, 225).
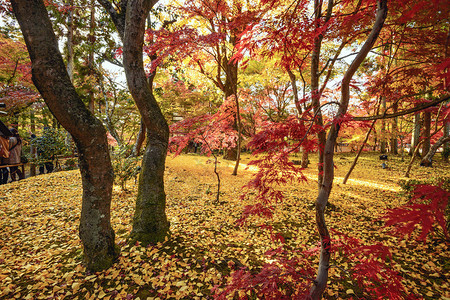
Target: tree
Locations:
point(16, 88)
point(51, 79)
point(275, 167)
point(150, 223)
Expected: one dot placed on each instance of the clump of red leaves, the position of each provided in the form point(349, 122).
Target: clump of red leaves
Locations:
point(426, 209)
point(280, 278)
point(211, 131)
point(289, 274)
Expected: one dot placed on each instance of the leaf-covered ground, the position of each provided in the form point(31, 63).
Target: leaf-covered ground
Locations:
point(40, 252)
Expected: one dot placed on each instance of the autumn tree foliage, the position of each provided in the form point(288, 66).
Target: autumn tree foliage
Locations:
point(427, 206)
point(16, 88)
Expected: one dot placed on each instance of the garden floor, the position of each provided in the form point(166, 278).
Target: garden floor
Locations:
point(41, 253)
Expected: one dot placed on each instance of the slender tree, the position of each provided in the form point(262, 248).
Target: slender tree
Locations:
point(150, 224)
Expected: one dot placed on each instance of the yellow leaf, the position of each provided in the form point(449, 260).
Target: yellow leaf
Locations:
point(101, 294)
point(180, 283)
point(350, 291)
point(75, 286)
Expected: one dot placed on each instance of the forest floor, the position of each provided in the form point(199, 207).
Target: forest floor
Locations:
point(40, 251)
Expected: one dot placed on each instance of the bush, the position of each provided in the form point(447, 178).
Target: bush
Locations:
point(50, 144)
point(125, 167)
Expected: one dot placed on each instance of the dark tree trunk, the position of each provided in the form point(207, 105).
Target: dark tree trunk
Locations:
point(394, 137)
point(150, 223)
point(32, 148)
point(447, 144)
point(139, 140)
point(315, 95)
point(383, 145)
point(415, 134)
point(426, 132)
point(427, 160)
point(359, 153)
point(50, 77)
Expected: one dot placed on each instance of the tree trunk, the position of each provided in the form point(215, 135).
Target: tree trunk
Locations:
point(426, 132)
point(427, 160)
point(239, 131)
point(321, 279)
point(50, 77)
point(33, 151)
point(383, 128)
point(150, 223)
point(91, 95)
point(70, 52)
point(139, 140)
point(416, 133)
point(446, 144)
point(315, 96)
point(357, 155)
point(305, 160)
point(394, 137)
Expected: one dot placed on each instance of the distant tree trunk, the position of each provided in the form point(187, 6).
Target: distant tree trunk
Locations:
point(416, 133)
point(32, 148)
point(139, 140)
point(447, 144)
point(293, 79)
point(320, 282)
point(357, 155)
point(50, 77)
point(394, 137)
point(427, 159)
point(91, 95)
point(232, 152)
point(383, 129)
point(426, 132)
point(70, 52)
point(150, 224)
point(239, 130)
point(416, 151)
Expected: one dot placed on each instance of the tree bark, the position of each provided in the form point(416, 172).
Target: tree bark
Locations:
point(150, 224)
point(359, 153)
point(383, 128)
point(91, 95)
point(426, 132)
point(426, 161)
point(50, 77)
point(70, 52)
point(139, 140)
point(447, 144)
point(320, 282)
point(315, 95)
point(394, 134)
point(416, 133)
point(33, 151)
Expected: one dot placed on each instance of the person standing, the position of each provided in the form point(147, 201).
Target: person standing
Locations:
point(4, 155)
point(15, 151)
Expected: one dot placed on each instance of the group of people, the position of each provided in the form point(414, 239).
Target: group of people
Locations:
point(10, 156)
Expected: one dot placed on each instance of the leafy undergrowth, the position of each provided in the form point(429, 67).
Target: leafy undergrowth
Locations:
point(40, 252)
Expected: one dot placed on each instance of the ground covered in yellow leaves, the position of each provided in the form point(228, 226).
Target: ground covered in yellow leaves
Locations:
point(40, 252)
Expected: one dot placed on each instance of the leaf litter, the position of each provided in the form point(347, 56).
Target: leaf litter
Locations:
point(41, 256)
